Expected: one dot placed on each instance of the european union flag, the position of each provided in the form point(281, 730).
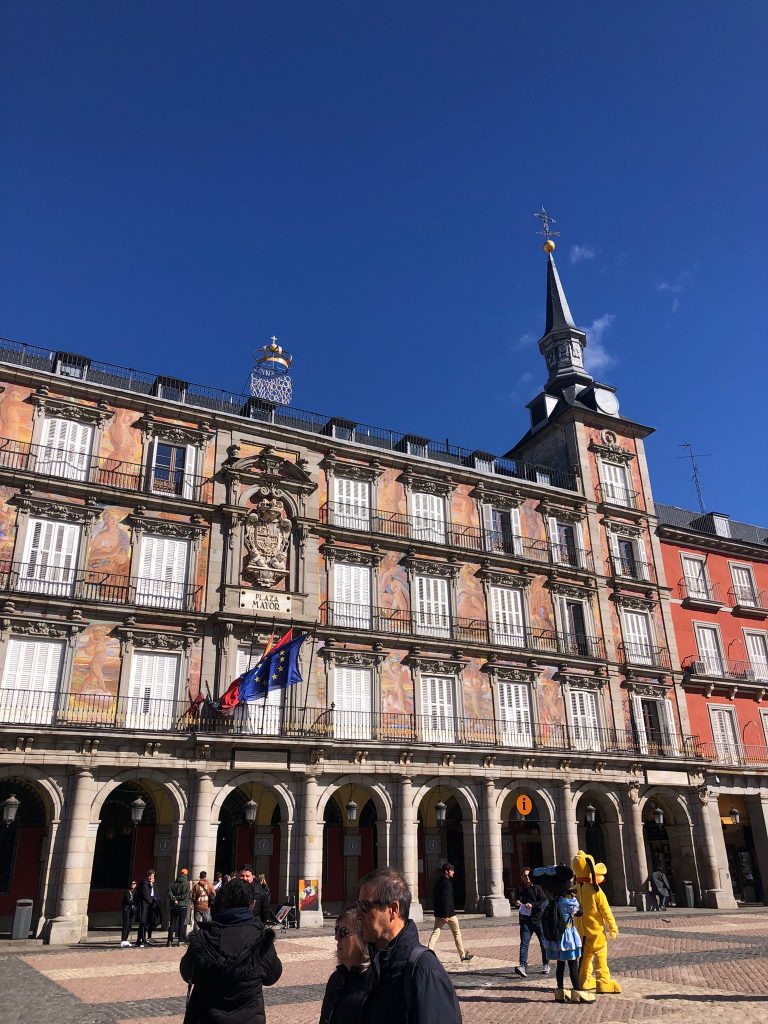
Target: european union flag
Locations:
point(277, 670)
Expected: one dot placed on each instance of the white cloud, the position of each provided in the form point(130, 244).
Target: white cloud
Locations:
point(526, 378)
point(581, 253)
point(596, 355)
point(524, 341)
point(674, 288)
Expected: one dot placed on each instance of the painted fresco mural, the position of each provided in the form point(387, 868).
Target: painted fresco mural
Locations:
point(478, 698)
point(122, 442)
point(470, 595)
point(531, 521)
point(16, 413)
point(7, 523)
point(541, 610)
point(96, 664)
point(550, 698)
point(396, 685)
point(109, 549)
point(393, 591)
point(391, 494)
point(463, 509)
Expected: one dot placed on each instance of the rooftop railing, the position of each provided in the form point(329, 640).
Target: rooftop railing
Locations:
point(78, 710)
point(22, 456)
point(69, 366)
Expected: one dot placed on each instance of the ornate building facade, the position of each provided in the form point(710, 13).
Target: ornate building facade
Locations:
point(480, 628)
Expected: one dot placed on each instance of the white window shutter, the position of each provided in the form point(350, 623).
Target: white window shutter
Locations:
point(517, 532)
point(669, 729)
point(429, 517)
point(152, 690)
point(757, 652)
point(163, 564)
point(695, 573)
point(190, 460)
point(708, 642)
point(31, 679)
point(743, 585)
point(67, 448)
point(585, 725)
point(432, 606)
point(50, 557)
point(507, 616)
point(515, 708)
point(492, 542)
point(638, 637)
point(437, 708)
point(353, 700)
point(352, 503)
point(637, 714)
point(615, 482)
point(352, 595)
point(724, 734)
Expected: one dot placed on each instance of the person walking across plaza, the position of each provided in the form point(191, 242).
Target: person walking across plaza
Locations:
point(408, 982)
point(178, 901)
point(127, 911)
point(229, 960)
point(445, 912)
point(348, 985)
point(146, 899)
point(530, 900)
point(202, 899)
point(661, 889)
point(260, 895)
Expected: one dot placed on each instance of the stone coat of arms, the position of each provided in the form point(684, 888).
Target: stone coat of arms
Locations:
point(267, 536)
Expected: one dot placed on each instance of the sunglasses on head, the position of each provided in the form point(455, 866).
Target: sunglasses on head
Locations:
point(341, 933)
point(365, 906)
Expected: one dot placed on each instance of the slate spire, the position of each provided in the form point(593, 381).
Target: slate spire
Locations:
point(559, 316)
point(562, 343)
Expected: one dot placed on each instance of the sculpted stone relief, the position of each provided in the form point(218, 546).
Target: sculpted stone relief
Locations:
point(267, 535)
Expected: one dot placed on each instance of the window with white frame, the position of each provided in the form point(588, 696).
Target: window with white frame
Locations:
point(152, 690)
point(616, 487)
point(585, 719)
point(566, 543)
point(710, 649)
point(163, 569)
point(431, 602)
point(757, 652)
point(725, 733)
point(575, 623)
point(262, 716)
point(31, 679)
point(696, 577)
point(351, 503)
point(515, 713)
point(353, 702)
point(50, 557)
point(628, 556)
point(503, 533)
point(654, 725)
point(507, 621)
point(66, 447)
point(638, 637)
point(428, 517)
point(172, 469)
point(351, 595)
point(764, 720)
point(744, 590)
point(438, 709)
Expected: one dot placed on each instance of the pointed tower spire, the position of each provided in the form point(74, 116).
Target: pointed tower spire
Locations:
point(562, 343)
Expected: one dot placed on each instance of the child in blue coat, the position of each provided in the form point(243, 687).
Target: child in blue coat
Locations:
point(561, 940)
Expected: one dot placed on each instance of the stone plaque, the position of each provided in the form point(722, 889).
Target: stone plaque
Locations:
point(265, 601)
point(431, 844)
point(353, 846)
point(507, 844)
point(263, 845)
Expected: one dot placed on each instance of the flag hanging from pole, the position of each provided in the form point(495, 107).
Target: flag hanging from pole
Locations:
point(276, 669)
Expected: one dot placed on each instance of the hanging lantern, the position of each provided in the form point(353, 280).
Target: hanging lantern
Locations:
point(251, 810)
point(735, 816)
point(590, 815)
point(137, 810)
point(351, 812)
point(658, 815)
point(10, 807)
point(440, 810)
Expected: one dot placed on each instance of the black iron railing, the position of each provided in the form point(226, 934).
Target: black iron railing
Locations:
point(610, 494)
point(717, 667)
point(644, 654)
point(631, 569)
point(699, 590)
point(75, 710)
point(98, 587)
point(755, 755)
point(22, 456)
point(748, 597)
point(572, 557)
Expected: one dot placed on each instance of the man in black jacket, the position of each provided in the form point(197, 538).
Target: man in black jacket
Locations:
point(530, 900)
point(445, 912)
point(260, 896)
point(408, 982)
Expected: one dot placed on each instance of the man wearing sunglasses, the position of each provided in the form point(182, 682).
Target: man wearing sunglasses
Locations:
point(407, 981)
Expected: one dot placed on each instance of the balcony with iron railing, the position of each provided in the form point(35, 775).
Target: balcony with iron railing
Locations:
point(39, 460)
point(644, 655)
point(571, 557)
point(611, 494)
point(700, 593)
point(737, 754)
point(416, 624)
point(97, 587)
point(631, 569)
point(749, 601)
point(715, 666)
point(140, 714)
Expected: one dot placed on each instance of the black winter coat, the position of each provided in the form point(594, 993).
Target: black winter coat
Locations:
point(228, 961)
point(144, 901)
point(432, 998)
point(344, 996)
point(444, 897)
point(261, 906)
point(532, 894)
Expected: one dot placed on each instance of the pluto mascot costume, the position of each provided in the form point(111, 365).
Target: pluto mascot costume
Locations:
point(595, 918)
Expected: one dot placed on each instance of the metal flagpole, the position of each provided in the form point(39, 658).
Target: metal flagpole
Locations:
point(270, 644)
point(309, 675)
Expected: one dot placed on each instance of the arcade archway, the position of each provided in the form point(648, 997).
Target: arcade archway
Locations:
point(259, 844)
point(351, 844)
point(21, 848)
point(124, 851)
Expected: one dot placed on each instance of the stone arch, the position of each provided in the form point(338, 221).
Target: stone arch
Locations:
point(50, 791)
point(611, 834)
point(468, 804)
point(379, 794)
point(285, 797)
point(672, 846)
point(465, 797)
point(505, 804)
point(168, 787)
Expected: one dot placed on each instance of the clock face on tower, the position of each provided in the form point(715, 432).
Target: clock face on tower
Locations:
point(606, 402)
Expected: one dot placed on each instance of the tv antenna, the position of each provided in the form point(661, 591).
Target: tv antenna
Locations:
point(690, 454)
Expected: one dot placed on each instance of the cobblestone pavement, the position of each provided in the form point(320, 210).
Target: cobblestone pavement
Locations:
point(689, 968)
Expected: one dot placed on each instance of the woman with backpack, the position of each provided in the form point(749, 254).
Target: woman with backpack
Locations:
point(561, 939)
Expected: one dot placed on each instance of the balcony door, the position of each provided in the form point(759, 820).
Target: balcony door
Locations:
point(352, 595)
point(743, 586)
point(655, 726)
point(515, 709)
point(507, 626)
point(585, 721)
point(152, 690)
point(353, 703)
point(162, 581)
point(438, 709)
point(432, 613)
point(50, 558)
point(725, 734)
point(710, 652)
point(428, 517)
point(30, 685)
point(260, 717)
point(696, 581)
point(638, 638)
point(351, 503)
point(575, 627)
point(66, 449)
point(757, 652)
point(615, 483)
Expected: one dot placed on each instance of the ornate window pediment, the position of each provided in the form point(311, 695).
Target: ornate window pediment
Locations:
point(497, 499)
point(562, 513)
point(609, 449)
point(353, 659)
point(175, 433)
point(151, 640)
point(622, 529)
point(576, 682)
point(413, 481)
point(648, 690)
point(53, 406)
point(425, 567)
point(39, 629)
point(504, 579)
point(142, 523)
point(568, 590)
point(633, 604)
point(334, 466)
point(351, 556)
point(509, 674)
point(47, 508)
point(429, 665)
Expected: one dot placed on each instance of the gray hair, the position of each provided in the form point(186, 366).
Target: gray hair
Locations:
point(388, 886)
point(350, 920)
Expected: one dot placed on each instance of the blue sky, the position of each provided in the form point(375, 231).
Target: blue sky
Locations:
point(182, 180)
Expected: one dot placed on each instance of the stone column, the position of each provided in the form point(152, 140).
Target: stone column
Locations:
point(567, 835)
point(312, 851)
point(70, 924)
point(637, 842)
point(758, 819)
point(715, 877)
point(409, 847)
point(201, 837)
point(495, 902)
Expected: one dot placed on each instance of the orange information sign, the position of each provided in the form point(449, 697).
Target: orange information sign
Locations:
point(524, 804)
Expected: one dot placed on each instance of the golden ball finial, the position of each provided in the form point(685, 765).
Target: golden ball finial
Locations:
point(549, 245)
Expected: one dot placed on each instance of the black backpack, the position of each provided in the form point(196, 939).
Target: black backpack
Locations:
point(552, 923)
point(414, 957)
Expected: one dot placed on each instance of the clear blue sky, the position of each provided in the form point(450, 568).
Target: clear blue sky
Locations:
point(181, 180)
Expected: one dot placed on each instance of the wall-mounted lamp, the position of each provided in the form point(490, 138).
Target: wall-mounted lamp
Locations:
point(10, 808)
point(735, 816)
point(658, 815)
point(590, 815)
point(138, 807)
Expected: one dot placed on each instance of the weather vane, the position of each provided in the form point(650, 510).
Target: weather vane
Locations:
point(548, 233)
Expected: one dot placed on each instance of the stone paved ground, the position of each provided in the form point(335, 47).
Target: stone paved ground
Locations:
point(689, 968)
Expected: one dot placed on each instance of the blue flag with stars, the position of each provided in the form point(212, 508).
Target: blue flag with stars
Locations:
point(278, 670)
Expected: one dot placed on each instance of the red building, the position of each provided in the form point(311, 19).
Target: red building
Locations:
point(718, 571)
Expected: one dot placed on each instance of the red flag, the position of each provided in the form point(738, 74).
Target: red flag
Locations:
point(194, 707)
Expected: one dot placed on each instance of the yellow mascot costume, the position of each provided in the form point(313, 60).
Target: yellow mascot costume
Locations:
point(595, 918)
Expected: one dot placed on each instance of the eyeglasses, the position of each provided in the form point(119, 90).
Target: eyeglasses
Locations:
point(341, 933)
point(365, 906)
